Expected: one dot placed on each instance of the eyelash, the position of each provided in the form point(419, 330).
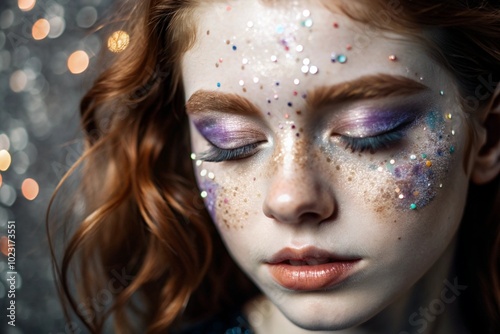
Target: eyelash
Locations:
point(372, 144)
point(217, 154)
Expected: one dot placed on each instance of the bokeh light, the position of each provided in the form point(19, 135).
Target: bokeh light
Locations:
point(41, 29)
point(5, 160)
point(57, 27)
point(26, 5)
point(30, 189)
point(78, 62)
point(118, 41)
point(18, 81)
point(4, 244)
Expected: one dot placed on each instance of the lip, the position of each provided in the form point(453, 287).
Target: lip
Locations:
point(310, 269)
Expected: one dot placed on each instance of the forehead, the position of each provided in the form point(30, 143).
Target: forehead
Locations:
point(249, 45)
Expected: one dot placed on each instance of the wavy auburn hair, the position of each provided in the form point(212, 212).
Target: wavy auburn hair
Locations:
point(141, 216)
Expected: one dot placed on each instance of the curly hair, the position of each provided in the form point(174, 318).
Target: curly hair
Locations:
point(141, 212)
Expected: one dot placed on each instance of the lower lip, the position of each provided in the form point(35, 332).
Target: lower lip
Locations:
point(310, 278)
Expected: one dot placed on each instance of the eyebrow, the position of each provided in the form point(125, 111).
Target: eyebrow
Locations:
point(203, 100)
point(365, 87)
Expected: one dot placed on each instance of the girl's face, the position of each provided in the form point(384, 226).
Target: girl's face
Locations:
point(328, 154)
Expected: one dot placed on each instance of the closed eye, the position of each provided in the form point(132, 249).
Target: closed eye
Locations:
point(217, 154)
point(377, 142)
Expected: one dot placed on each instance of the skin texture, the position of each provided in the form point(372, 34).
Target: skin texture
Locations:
point(397, 206)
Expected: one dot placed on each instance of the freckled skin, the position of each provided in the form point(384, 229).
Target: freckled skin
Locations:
point(298, 191)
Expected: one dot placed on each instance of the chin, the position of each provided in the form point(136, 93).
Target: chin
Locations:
point(316, 315)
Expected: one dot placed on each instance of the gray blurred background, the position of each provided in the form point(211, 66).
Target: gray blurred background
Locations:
point(48, 58)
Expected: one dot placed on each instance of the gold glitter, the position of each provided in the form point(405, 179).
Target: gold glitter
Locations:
point(428, 163)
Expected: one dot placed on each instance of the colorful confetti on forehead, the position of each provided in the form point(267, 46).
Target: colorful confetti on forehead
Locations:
point(265, 48)
point(290, 37)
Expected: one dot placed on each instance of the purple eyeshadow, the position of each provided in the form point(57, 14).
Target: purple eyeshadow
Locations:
point(376, 122)
point(222, 134)
point(212, 131)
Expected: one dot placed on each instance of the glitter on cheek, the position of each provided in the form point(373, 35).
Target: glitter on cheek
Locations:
point(209, 194)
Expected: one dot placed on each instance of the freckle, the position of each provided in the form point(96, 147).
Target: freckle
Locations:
point(228, 41)
point(245, 200)
point(246, 214)
point(243, 67)
point(349, 179)
point(298, 112)
point(337, 167)
point(217, 65)
point(244, 90)
point(261, 87)
point(226, 212)
point(399, 237)
point(328, 160)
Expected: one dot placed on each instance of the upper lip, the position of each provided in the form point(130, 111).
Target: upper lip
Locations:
point(308, 254)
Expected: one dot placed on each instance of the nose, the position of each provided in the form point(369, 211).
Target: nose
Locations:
point(299, 195)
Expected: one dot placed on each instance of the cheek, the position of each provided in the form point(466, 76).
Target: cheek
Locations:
point(230, 200)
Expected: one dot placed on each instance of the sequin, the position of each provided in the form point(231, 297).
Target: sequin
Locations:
point(342, 58)
point(308, 23)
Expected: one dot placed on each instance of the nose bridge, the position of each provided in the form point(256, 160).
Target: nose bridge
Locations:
point(297, 191)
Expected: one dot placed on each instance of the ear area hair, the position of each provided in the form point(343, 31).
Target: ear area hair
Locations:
point(487, 163)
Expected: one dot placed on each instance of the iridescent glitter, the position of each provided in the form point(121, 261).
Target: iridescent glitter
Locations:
point(342, 59)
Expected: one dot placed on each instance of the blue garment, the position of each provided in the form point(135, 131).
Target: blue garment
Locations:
point(232, 323)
